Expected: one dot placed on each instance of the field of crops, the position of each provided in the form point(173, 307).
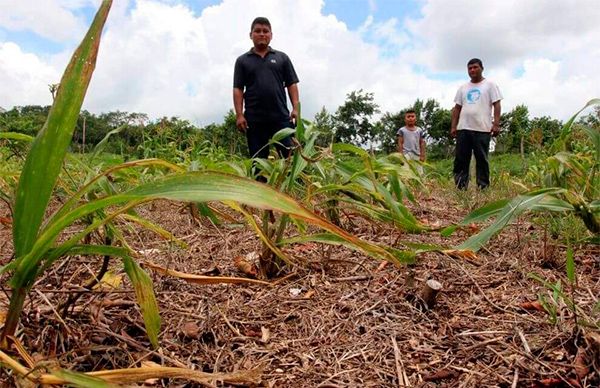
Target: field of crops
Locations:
point(344, 268)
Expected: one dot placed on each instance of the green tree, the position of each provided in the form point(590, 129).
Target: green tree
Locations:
point(227, 136)
point(324, 123)
point(543, 131)
point(515, 130)
point(386, 129)
point(352, 119)
point(24, 119)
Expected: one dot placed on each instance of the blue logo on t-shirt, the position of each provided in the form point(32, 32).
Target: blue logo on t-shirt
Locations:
point(473, 95)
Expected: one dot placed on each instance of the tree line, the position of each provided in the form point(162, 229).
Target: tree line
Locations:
point(357, 121)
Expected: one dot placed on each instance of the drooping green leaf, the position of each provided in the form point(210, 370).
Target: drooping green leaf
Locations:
point(478, 215)
point(282, 134)
point(144, 293)
point(506, 214)
point(16, 136)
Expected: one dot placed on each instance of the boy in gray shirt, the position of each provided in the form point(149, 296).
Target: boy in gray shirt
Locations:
point(411, 140)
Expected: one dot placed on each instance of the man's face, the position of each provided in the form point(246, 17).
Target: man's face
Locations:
point(410, 119)
point(475, 71)
point(261, 35)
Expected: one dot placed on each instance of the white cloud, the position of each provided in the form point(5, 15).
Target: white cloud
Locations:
point(50, 19)
point(24, 77)
point(503, 33)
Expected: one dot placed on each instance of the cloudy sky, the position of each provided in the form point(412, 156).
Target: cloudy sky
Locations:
point(175, 57)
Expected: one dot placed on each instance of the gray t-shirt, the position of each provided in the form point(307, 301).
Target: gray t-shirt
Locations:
point(412, 140)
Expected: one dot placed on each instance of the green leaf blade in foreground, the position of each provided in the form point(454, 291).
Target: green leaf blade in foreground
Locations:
point(44, 161)
point(193, 187)
point(144, 293)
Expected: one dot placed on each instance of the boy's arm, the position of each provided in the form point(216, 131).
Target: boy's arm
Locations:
point(422, 147)
point(400, 143)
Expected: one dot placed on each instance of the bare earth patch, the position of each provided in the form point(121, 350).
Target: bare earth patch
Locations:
point(339, 321)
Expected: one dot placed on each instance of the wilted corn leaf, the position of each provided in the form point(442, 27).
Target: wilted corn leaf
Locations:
point(201, 279)
point(136, 375)
point(110, 281)
point(82, 380)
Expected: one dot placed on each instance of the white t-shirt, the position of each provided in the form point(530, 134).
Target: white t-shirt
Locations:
point(476, 101)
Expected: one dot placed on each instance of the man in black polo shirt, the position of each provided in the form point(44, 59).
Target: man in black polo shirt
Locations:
point(260, 78)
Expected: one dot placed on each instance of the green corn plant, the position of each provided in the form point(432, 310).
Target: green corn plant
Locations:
point(570, 184)
point(45, 157)
point(314, 175)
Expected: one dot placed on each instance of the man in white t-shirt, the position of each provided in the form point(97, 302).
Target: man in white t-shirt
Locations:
point(473, 126)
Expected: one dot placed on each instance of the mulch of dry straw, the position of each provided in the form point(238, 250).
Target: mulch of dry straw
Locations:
point(340, 321)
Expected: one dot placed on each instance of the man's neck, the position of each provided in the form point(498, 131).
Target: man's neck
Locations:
point(476, 81)
point(262, 51)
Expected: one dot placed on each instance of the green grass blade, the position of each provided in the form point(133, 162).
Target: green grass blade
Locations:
point(102, 143)
point(570, 265)
point(144, 293)
point(44, 161)
point(16, 136)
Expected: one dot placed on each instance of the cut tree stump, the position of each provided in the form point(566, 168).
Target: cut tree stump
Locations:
point(429, 292)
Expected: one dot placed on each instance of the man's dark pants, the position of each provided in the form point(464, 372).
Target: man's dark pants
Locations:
point(472, 143)
point(259, 134)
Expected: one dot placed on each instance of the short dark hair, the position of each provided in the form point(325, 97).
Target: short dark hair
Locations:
point(410, 111)
point(260, 20)
point(475, 60)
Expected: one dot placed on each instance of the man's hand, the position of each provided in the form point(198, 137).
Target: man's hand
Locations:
point(294, 115)
point(495, 130)
point(241, 123)
point(453, 132)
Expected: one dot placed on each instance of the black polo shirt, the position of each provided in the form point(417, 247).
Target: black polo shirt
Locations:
point(263, 81)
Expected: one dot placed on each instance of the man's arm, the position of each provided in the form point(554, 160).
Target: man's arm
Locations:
point(238, 105)
point(455, 116)
point(496, 123)
point(295, 100)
